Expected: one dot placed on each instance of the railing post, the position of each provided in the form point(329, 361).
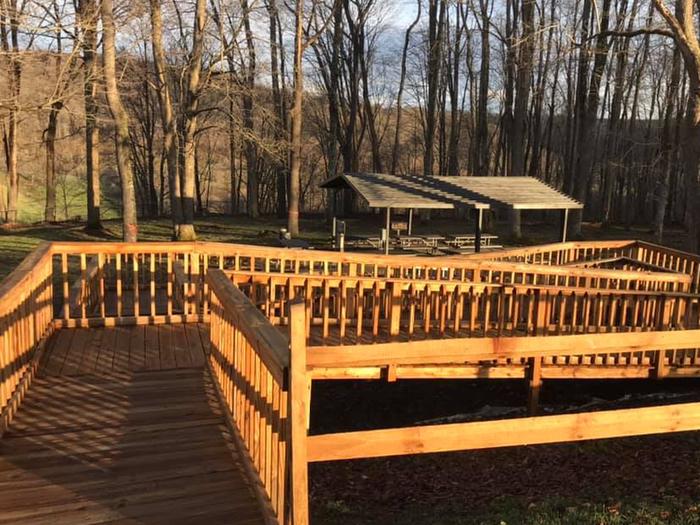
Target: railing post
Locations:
point(298, 409)
point(395, 309)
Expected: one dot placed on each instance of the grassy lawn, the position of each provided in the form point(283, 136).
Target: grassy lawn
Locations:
point(17, 242)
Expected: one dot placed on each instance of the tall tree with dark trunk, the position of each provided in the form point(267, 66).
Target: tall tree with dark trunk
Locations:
point(683, 29)
point(167, 115)
point(88, 16)
point(399, 94)
point(11, 13)
point(585, 138)
point(251, 151)
point(121, 122)
point(523, 80)
point(186, 231)
point(436, 25)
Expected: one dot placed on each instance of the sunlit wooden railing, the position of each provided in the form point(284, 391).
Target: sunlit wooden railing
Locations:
point(348, 310)
point(603, 254)
point(25, 321)
point(251, 362)
point(112, 283)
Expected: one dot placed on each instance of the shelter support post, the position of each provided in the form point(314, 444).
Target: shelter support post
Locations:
point(564, 224)
point(410, 221)
point(478, 217)
point(388, 226)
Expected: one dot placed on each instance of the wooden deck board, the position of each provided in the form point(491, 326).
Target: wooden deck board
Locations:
point(110, 433)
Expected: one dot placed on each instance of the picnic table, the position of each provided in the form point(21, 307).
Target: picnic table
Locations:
point(459, 241)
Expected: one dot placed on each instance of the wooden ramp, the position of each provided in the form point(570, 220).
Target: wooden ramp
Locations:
point(123, 425)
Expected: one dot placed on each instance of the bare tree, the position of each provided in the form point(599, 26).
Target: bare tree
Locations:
point(193, 90)
point(167, 115)
point(301, 43)
point(88, 16)
point(121, 122)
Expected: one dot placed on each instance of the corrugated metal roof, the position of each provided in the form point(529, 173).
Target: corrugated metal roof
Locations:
point(382, 190)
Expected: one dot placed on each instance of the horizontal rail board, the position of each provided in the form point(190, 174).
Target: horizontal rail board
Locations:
point(504, 433)
point(487, 348)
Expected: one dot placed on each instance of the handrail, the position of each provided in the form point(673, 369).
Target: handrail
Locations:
point(271, 346)
point(262, 382)
point(25, 322)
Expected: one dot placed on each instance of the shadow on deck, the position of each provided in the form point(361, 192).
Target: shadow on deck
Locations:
point(123, 425)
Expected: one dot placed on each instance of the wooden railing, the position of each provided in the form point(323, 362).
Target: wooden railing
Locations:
point(120, 283)
point(252, 363)
point(603, 254)
point(559, 254)
point(25, 322)
point(347, 310)
point(670, 259)
point(116, 283)
point(262, 303)
point(508, 432)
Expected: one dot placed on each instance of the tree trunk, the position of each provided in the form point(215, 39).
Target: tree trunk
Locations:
point(399, 95)
point(296, 121)
point(121, 122)
point(436, 22)
point(50, 141)
point(248, 123)
point(88, 18)
point(186, 231)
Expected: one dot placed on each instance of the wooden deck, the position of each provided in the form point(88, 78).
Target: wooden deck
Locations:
point(123, 425)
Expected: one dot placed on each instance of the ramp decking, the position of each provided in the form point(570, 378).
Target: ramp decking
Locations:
point(122, 425)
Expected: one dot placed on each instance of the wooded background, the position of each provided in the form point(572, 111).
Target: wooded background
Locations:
point(185, 107)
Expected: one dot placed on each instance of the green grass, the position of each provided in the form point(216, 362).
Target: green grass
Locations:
point(513, 511)
point(17, 242)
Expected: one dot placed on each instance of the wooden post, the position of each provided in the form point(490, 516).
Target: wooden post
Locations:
point(298, 400)
point(395, 309)
point(477, 229)
point(564, 225)
point(534, 375)
point(388, 231)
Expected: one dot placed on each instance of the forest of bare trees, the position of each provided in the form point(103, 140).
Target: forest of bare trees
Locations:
point(244, 106)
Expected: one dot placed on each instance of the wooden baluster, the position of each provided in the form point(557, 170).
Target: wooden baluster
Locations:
point(376, 307)
point(427, 313)
point(325, 305)
point(458, 309)
point(118, 262)
point(486, 324)
point(394, 298)
point(66, 286)
point(359, 293)
point(101, 273)
point(152, 290)
point(137, 294)
point(342, 309)
point(169, 285)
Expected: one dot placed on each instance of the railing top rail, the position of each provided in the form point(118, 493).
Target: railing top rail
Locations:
point(544, 248)
point(335, 280)
point(16, 280)
point(112, 248)
point(271, 345)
